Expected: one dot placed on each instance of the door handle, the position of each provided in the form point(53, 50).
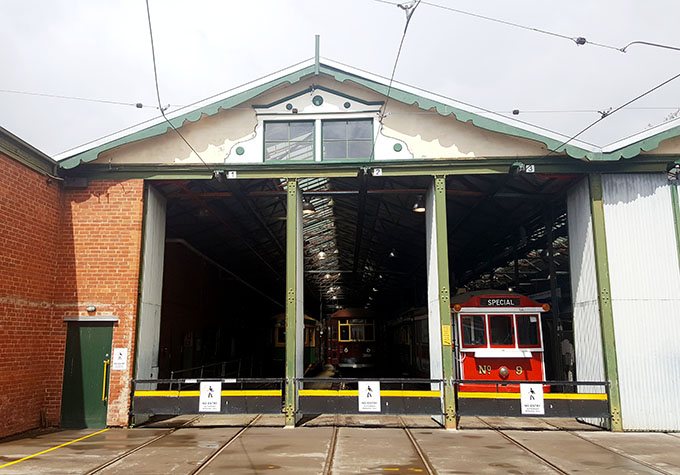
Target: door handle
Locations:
point(106, 366)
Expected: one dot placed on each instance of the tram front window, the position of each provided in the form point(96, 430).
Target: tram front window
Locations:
point(474, 330)
point(527, 330)
point(344, 332)
point(500, 327)
point(358, 333)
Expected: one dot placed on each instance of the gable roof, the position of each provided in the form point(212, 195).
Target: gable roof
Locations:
point(627, 148)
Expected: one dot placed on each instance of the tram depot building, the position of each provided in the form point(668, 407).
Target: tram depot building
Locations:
point(139, 258)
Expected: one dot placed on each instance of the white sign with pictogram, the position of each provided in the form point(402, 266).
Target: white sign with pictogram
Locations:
point(210, 396)
point(532, 399)
point(369, 396)
point(119, 362)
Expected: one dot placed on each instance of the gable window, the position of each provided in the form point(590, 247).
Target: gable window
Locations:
point(347, 139)
point(289, 141)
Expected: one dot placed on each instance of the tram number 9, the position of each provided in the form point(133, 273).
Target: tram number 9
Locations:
point(484, 369)
point(518, 370)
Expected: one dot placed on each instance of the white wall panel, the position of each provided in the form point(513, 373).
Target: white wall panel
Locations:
point(587, 329)
point(153, 255)
point(645, 289)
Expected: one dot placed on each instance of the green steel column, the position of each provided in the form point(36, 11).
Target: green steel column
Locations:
point(604, 299)
point(291, 297)
point(676, 216)
point(444, 300)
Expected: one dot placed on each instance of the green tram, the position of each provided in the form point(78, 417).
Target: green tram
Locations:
point(311, 337)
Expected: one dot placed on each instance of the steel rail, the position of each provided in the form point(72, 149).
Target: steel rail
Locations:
point(629, 457)
point(416, 446)
point(224, 446)
point(523, 447)
point(101, 467)
point(328, 464)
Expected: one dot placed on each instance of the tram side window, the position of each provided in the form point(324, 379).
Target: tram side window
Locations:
point(344, 332)
point(358, 333)
point(310, 339)
point(500, 328)
point(280, 336)
point(527, 330)
point(474, 330)
point(369, 332)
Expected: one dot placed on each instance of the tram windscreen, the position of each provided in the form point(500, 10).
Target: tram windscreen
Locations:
point(527, 330)
point(500, 328)
point(474, 331)
point(344, 332)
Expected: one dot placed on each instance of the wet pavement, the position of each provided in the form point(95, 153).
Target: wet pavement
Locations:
point(343, 445)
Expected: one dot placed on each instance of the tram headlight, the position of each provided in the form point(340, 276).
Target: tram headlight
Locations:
point(504, 372)
point(368, 350)
point(346, 350)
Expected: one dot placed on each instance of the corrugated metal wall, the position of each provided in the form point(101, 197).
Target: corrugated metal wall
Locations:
point(645, 289)
point(153, 255)
point(587, 330)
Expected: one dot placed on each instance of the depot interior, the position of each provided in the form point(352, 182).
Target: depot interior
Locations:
point(364, 247)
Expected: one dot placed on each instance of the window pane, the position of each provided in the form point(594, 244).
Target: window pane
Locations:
point(500, 327)
point(359, 129)
point(276, 131)
point(301, 151)
point(334, 130)
point(276, 151)
point(344, 332)
point(369, 332)
point(359, 149)
point(527, 330)
point(474, 332)
point(302, 131)
point(358, 332)
point(334, 149)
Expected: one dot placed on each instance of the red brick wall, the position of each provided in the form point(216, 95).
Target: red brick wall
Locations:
point(31, 339)
point(100, 246)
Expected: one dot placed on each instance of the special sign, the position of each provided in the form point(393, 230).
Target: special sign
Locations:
point(499, 302)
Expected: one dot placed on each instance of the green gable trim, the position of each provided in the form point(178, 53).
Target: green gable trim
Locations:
point(319, 88)
point(192, 116)
point(556, 146)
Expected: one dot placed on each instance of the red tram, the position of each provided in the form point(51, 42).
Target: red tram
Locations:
point(500, 339)
point(352, 339)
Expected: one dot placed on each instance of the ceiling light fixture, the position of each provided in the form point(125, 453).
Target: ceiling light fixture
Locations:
point(308, 207)
point(419, 205)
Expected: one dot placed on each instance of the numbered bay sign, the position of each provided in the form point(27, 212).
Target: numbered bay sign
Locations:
point(210, 396)
point(532, 399)
point(369, 396)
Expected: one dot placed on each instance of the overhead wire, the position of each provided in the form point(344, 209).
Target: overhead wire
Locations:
point(137, 105)
point(578, 40)
point(612, 112)
point(158, 93)
point(410, 9)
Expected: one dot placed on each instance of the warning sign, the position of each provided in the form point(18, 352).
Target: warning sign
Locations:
point(532, 399)
point(446, 335)
point(210, 396)
point(119, 362)
point(369, 396)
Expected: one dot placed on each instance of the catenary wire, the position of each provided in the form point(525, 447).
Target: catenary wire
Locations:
point(610, 113)
point(158, 92)
point(579, 40)
point(137, 105)
point(383, 111)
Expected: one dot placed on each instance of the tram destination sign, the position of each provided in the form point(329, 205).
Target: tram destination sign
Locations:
point(499, 302)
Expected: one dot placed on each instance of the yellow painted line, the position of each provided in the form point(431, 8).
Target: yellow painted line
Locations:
point(53, 448)
point(482, 395)
point(227, 392)
point(354, 392)
point(328, 392)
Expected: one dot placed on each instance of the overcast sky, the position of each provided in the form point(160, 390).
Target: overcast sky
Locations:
point(100, 49)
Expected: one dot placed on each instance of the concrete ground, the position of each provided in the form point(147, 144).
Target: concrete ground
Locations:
point(343, 445)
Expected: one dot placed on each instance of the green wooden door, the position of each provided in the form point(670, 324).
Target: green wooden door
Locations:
point(86, 374)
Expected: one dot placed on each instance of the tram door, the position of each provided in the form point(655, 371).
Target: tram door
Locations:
point(86, 374)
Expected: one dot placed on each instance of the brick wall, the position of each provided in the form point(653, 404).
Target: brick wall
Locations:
point(31, 339)
point(100, 245)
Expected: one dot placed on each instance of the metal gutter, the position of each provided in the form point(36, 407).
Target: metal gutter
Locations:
point(24, 153)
